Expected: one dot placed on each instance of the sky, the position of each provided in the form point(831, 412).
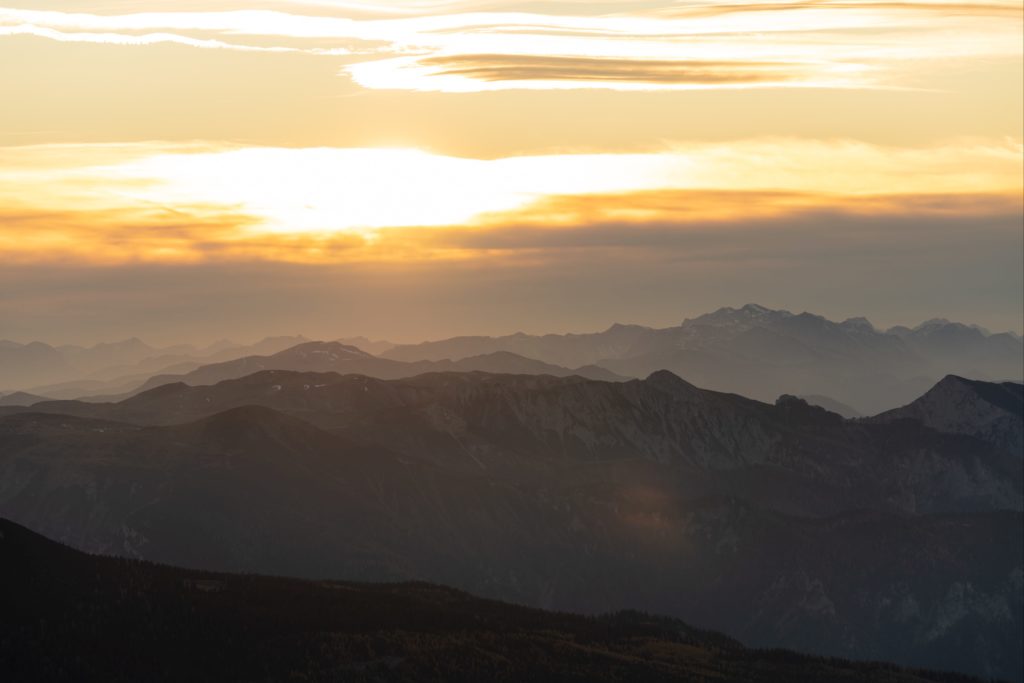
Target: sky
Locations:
point(199, 169)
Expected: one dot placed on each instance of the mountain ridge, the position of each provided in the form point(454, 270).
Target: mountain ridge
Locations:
point(760, 352)
point(751, 350)
point(987, 410)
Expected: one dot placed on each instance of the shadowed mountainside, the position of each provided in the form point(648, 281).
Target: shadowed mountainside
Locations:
point(68, 616)
point(782, 525)
point(496, 423)
point(986, 410)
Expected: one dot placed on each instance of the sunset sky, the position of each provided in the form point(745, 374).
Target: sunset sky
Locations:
point(197, 169)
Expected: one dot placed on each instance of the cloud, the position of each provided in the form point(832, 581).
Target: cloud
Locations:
point(776, 225)
point(132, 39)
point(158, 235)
point(468, 47)
point(326, 190)
point(951, 8)
point(492, 67)
point(165, 203)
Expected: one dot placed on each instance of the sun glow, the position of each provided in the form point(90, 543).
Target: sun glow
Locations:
point(327, 190)
point(193, 202)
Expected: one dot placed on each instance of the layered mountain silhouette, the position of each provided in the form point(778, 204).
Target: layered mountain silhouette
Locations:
point(849, 367)
point(762, 353)
point(343, 358)
point(20, 398)
point(780, 524)
point(71, 616)
point(73, 371)
point(832, 405)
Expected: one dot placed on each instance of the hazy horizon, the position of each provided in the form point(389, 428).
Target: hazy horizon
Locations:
point(416, 170)
point(589, 324)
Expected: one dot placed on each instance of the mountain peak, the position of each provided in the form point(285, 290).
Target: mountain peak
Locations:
point(858, 323)
point(20, 398)
point(786, 400)
point(669, 381)
point(1004, 395)
point(332, 349)
point(990, 411)
point(624, 327)
point(748, 314)
point(933, 322)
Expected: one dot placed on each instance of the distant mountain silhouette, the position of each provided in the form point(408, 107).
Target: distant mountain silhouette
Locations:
point(24, 364)
point(762, 353)
point(782, 525)
point(338, 357)
point(73, 371)
point(832, 405)
point(752, 350)
point(563, 349)
point(71, 616)
point(20, 398)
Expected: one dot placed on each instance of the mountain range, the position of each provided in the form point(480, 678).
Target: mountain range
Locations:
point(346, 359)
point(762, 353)
point(896, 537)
point(69, 371)
point(849, 366)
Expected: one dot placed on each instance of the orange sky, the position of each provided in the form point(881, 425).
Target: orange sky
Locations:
point(504, 135)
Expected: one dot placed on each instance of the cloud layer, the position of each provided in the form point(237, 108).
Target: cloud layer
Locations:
point(194, 203)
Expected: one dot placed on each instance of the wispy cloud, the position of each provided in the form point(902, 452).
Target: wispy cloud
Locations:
point(503, 71)
point(456, 47)
point(131, 39)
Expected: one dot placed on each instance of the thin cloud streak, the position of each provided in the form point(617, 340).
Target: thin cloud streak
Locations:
point(491, 68)
point(807, 44)
point(143, 39)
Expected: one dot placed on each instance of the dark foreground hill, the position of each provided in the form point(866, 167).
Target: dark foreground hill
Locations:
point(68, 616)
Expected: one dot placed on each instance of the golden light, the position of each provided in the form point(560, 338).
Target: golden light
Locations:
point(192, 202)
